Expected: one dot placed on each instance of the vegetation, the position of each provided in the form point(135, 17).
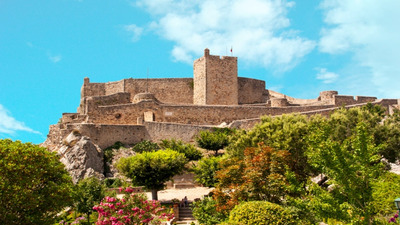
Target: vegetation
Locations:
point(190, 151)
point(131, 209)
point(152, 169)
point(34, 186)
point(205, 171)
point(214, 140)
point(261, 212)
point(87, 193)
point(145, 146)
point(205, 212)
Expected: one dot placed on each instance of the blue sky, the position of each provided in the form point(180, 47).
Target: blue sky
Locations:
point(298, 47)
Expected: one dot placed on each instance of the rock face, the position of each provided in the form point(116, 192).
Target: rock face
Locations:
point(81, 157)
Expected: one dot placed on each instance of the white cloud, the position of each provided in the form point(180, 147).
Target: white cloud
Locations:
point(258, 30)
point(135, 31)
point(368, 30)
point(326, 76)
point(55, 58)
point(10, 125)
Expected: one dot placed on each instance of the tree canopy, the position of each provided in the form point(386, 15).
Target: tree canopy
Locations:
point(152, 169)
point(34, 186)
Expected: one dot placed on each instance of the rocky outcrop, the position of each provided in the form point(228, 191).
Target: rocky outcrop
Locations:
point(81, 157)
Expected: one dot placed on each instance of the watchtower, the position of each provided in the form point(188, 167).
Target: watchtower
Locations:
point(215, 80)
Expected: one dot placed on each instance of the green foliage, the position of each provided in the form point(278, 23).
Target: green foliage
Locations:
point(261, 212)
point(152, 169)
point(88, 192)
point(145, 146)
point(205, 171)
point(385, 190)
point(205, 212)
point(352, 165)
point(214, 140)
point(109, 154)
point(190, 151)
point(34, 186)
point(286, 132)
point(113, 182)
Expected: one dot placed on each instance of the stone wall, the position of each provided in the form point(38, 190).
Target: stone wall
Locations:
point(251, 91)
point(174, 90)
point(186, 114)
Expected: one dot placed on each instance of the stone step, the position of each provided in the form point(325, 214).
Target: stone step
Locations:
point(183, 185)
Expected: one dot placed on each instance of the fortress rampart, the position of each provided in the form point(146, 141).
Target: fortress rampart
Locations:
point(132, 110)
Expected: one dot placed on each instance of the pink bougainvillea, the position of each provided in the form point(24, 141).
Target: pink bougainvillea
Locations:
point(133, 208)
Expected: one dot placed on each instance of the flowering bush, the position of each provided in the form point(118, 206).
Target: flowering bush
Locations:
point(394, 219)
point(131, 209)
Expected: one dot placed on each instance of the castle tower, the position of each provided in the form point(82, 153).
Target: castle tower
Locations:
point(215, 80)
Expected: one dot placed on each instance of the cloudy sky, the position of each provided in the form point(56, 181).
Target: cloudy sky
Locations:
point(298, 47)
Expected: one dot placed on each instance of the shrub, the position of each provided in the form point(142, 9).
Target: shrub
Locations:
point(190, 151)
point(34, 185)
point(145, 146)
point(205, 171)
point(113, 182)
point(88, 192)
point(131, 209)
point(261, 212)
point(206, 213)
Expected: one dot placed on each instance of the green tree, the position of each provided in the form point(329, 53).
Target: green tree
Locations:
point(205, 171)
point(34, 186)
point(190, 151)
point(352, 165)
point(88, 193)
point(214, 140)
point(205, 212)
point(152, 169)
point(286, 132)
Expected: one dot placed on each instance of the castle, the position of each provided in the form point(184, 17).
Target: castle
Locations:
point(132, 110)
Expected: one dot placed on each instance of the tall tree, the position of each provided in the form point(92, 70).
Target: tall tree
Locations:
point(352, 165)
point(152, 169)
point(34, 186)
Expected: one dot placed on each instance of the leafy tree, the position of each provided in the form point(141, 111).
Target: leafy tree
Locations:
point(214, 140)
point(152, 169)
point(352, 165)
point(190, 151)
point(88, 193)
point(205, 171)
point(261, 175)
point(145, 146)
point(34, 186)
point(286, 132)
point(205, 212)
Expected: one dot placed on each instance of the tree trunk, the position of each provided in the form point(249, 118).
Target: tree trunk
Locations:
point(154, 195)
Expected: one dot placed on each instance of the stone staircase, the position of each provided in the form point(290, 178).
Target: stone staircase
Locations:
point(185, 215)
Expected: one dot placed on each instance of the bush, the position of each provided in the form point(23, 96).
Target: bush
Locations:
point(206, 213)
point(34, 185)
point(113, 182)
point(145, 146)
point(190, 151)
point(205, 171)
point(131, 209)
point(261, 212)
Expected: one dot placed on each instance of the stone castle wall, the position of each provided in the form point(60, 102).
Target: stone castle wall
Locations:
point(185, 114)
point(168, 90)
point(251, 91)
point(215, 80)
